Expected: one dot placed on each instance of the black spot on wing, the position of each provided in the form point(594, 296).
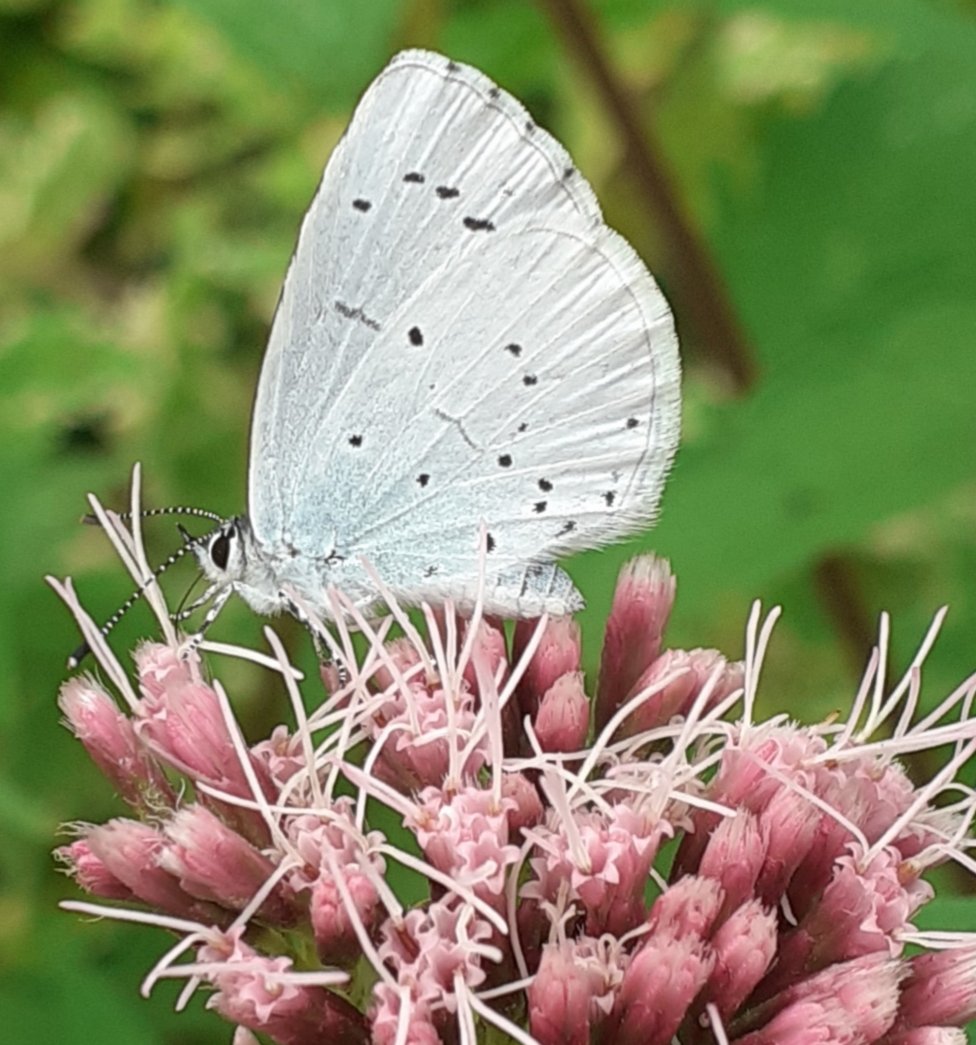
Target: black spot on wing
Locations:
point(355, 440)
point(479, 225)
point(416, 336)
point(609, 497)
point(632, 422)
point(568, 526)
point(362, 205)
point(505, 460)
point(544, 485)
point(491, 542)
point(414, 177)
point(513, 349)
point(530, 379)
point(423, 478)
point(447, 192)
point(540, 506)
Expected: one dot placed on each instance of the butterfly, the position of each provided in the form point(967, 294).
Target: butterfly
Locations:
point(468, 373)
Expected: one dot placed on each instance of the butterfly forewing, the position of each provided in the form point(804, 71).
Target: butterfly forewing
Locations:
point(460, 340)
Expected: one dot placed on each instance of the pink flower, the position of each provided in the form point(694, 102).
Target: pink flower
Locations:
point(259, 993)
point(663, 978)
point(851, 1002)
point(338, 868)
point(601, 860)
point(573, 991)
point(557, 655)
point(939, 989)
point(110, 738)
point(563, 716)
point(91, 872)
point(465, 835)
point(685, 874)
point(131, 852)
point(641, 606)
point(213, 862)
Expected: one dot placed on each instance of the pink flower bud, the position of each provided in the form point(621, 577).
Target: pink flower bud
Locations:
point(744, 779)
point(569, 996)
point(660, 984)
point(332, 921)
point(409, 759)
point(111, 741)
point(689, 907)
point(641, 605)
point(691, 670)
point(420, 731)
point(851, 1002)
point(557, 654)
point(131, 852)
point(941, 988)
point(564, 715)
point(521, 799)
point(869, 792)
point(734, 857)
point(328, 846)
point(90, 872)
point(789, 826)
point(659, 707)
point(744, 947)
point(180, 717)
point(213, 862)
point(489, 645)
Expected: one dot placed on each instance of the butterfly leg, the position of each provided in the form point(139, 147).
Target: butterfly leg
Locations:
point(323, 654)
point(188, 611)
point(220, 600)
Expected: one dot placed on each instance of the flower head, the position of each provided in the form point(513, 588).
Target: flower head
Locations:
point(665, 868)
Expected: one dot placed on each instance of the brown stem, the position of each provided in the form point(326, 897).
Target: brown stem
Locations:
point(840, 596)
point(697, 282)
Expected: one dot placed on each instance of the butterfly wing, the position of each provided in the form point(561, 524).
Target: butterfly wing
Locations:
point(460, 340)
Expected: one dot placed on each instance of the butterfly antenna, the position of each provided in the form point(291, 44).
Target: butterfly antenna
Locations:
point(178, 509)
point(84, 649)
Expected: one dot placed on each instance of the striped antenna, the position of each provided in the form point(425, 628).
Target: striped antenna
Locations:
point(189, 543)
point(179, 509)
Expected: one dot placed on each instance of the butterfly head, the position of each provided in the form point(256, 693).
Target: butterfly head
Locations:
point(221, 554)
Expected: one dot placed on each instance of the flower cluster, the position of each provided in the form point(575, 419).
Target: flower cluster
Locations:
point(645, 866)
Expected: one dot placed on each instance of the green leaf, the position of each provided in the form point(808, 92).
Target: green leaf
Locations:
point(328, 50)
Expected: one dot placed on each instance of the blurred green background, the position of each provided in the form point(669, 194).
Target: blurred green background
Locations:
point(800, 176)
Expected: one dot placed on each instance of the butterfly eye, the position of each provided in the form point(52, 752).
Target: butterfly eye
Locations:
point(220, 551)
